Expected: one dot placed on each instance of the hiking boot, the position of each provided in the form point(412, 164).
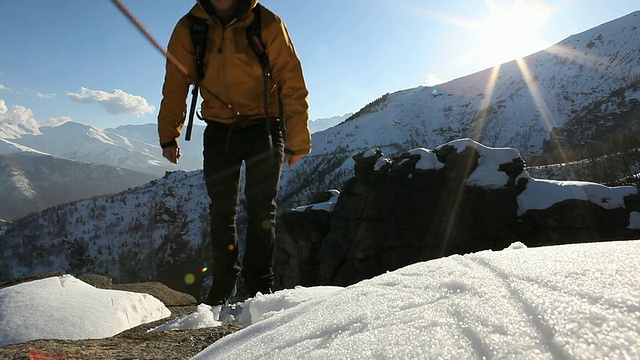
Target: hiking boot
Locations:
point(214, 299)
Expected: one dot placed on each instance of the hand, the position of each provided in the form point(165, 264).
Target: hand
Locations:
point(172, 153)
point(291, 160)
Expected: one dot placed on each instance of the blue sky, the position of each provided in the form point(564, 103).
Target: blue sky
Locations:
point(82, 60)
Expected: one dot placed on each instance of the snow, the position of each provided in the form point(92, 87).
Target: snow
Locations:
point(133, 147)
point(204, 317)
point(486, 174)
point(370, 153)
point(324, 206)
point(569, 301)
point(514, 104)
point(541, 194)
point(381, 163)
point(428, 159)
point(573, 301)
point(66, 308)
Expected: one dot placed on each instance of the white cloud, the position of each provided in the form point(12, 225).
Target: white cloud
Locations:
point(46, 96)
point(22, 117)
point(117, 102)
point(2, 87)
point(433, 80)
point(55, 121)
point(18, 115)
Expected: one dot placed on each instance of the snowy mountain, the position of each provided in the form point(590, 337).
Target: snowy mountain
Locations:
point(325, 123)
point(160, 231)
point(133, 147)
point(131, 152)
point(32, 182)
point(81, 162)
point(584, 89)
point(578, 85)
point(132, 236)
point(128, 156)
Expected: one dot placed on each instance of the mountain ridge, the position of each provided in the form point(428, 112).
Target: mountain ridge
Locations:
point(35, 181)
point(516, 104)
point(169, 214)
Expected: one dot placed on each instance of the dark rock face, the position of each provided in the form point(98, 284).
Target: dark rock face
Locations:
point(396, 212)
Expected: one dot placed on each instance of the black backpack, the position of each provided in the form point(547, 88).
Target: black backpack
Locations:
point(199, 32)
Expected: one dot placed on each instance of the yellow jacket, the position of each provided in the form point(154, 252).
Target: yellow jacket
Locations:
point(233, 83)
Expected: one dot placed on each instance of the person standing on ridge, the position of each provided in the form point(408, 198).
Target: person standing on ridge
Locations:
point(245, 107)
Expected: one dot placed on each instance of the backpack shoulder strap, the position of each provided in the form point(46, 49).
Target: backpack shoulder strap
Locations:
point(199, 30)
point(254, 37)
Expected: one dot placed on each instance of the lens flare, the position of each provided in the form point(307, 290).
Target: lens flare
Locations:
point(204, 269)
point(189, 279)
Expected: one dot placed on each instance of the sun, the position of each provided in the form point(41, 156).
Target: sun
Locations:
point(511, 30)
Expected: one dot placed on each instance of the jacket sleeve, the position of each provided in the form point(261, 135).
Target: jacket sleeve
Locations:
point(173, 106)
point(287, 72)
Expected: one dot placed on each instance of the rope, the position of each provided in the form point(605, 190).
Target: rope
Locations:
point(123, 9)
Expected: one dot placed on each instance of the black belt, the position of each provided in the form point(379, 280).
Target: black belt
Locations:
point(243, 123)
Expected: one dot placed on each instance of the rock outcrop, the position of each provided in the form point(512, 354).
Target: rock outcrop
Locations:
point(461, 197)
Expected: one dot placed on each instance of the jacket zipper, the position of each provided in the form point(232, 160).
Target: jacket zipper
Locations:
point(223, 65)
point(223, 62)
point(222, 72)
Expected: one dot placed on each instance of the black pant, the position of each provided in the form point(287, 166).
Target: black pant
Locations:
point(225, 148)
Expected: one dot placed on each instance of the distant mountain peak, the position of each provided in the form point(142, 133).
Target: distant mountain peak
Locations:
point(575, 92)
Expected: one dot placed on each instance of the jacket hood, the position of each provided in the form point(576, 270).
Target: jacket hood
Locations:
point(204, 8)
